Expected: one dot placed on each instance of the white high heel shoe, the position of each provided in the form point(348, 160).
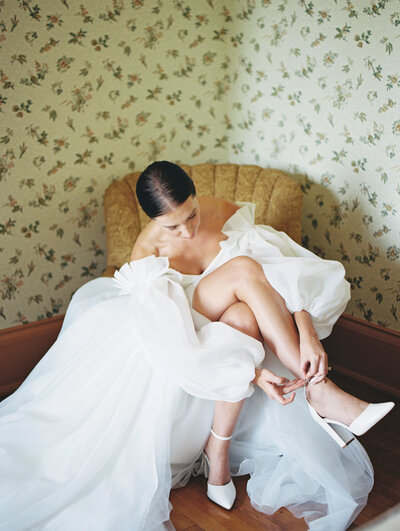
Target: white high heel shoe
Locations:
point(341, 433)
point(223, 495)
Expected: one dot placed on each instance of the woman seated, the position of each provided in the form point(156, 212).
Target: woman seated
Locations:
point(214, 323)
point(188, 230)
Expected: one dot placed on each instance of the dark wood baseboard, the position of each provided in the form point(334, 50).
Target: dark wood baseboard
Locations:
point(356, 348)
point(21, 348)
point(365, 352)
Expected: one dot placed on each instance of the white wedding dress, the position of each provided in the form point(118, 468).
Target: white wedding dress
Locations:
point(118, 410)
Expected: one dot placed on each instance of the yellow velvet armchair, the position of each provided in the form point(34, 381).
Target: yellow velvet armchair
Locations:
point(278, 201)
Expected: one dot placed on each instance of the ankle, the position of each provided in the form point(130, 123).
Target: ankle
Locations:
point(319, 390)
point(332, 402)
point(220, 435)
point(216, 447)
point(320, 395)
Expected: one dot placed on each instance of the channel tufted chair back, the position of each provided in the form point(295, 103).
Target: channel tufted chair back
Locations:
point(278, 202)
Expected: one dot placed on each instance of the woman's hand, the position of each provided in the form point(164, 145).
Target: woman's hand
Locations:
point(276, 386)
point(313, 359)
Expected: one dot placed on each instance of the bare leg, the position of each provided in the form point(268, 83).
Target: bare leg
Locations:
point(238, 316)
point(242, 280)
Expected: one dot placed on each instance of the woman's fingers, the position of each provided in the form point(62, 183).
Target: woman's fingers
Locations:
point(318, 378)
point(273, 378)
point(312, 371)
point(278, 386)
point(285, 400)
point(292, 386)
point(304, 368)
point(313, 360)
point(276, 392)
point(289, 399)
point(322, 369)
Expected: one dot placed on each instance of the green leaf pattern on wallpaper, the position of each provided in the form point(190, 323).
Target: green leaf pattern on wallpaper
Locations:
point(91, 90)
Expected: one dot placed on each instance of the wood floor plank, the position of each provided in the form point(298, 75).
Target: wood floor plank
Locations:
point(181, 521)
point(241, 517)
point(199, 514)
point(282, 518)
point(221, 516)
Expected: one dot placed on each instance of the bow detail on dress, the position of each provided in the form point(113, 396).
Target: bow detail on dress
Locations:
point(142, 271)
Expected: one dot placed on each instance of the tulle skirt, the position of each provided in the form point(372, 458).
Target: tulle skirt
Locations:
point(96, 437)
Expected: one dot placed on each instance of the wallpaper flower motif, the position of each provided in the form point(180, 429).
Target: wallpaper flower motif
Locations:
point(92, 90)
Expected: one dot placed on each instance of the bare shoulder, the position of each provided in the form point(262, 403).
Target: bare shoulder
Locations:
point(220, 210)
point(145, 244)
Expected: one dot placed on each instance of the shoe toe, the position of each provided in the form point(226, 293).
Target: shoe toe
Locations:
point(369, 417)
point(223, 495)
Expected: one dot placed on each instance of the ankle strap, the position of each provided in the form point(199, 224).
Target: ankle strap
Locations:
point(311, 380)
point(220, 436)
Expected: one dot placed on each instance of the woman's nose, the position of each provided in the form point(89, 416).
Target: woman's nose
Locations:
point(187, 231)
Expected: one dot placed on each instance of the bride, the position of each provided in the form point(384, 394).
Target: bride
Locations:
point(213, 324)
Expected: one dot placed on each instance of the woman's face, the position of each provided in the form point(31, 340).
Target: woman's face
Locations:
point(183, 220)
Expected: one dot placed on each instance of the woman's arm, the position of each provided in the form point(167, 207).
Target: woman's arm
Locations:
point(313, 358)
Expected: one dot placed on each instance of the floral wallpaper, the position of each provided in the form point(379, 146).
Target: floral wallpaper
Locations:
point(92, 90)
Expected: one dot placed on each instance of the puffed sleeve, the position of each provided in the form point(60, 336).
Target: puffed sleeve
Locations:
point(303, 279)
point(306, 281)
point(216, 362)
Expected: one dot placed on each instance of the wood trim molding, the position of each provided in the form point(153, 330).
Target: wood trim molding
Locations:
point(21, 348)
point(356, 348)
point(366, 352)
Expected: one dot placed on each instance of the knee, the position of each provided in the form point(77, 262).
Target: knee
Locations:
point(241, 317)
point(246, 267)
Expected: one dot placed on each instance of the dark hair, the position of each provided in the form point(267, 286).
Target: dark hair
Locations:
point(162, 186)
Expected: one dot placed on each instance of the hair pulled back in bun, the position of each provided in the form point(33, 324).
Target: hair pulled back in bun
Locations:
point(162, 186)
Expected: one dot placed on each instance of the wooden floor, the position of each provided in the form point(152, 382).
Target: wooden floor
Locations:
point(193, 511)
